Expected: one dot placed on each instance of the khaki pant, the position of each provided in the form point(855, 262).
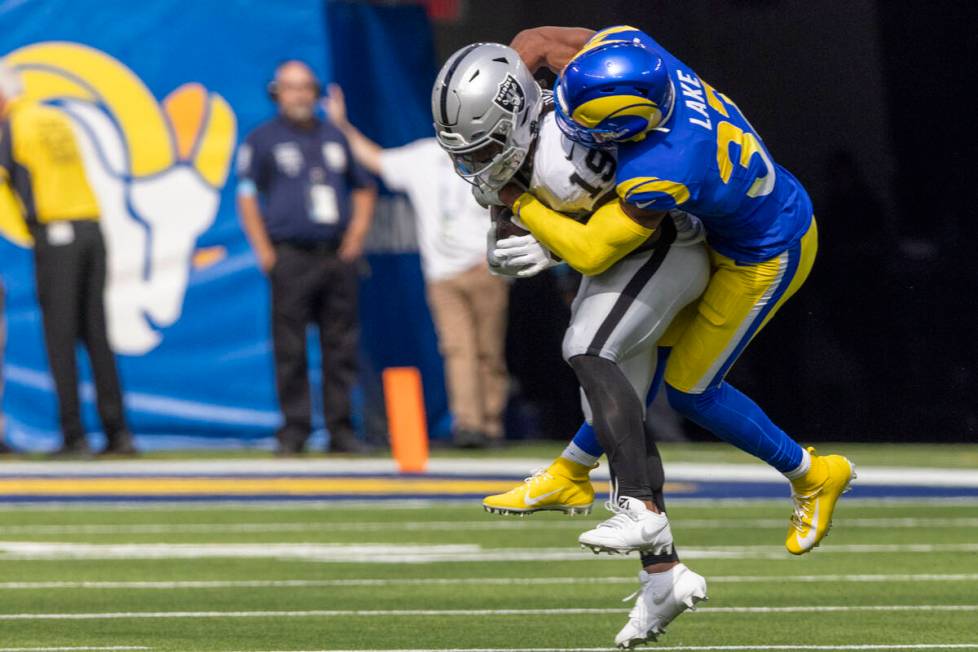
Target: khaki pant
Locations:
point(469, 311)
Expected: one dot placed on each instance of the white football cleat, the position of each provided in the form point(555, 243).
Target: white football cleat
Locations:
point(663, 596)
point(633, 527)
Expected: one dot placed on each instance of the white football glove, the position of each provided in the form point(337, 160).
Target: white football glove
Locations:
point(496, 266)
point(521, 256)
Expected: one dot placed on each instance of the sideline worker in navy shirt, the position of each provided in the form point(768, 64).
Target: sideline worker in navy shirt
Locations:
point(306, 207)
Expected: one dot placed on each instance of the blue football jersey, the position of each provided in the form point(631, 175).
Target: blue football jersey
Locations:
point(709, 160)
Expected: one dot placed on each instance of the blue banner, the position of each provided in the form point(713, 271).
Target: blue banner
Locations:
point(160, 94)
point(384, 58)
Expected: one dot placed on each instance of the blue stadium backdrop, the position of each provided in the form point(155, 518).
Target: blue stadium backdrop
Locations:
point(160, 97)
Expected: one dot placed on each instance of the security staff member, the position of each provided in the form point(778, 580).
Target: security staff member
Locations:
point(306, 206)
point(40, 159)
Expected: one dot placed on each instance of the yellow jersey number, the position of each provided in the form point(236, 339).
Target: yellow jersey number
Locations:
point(750, 145)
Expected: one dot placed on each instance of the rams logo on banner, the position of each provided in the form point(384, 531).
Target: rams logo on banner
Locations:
point(157, 169)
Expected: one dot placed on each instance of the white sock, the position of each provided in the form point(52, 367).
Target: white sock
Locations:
point(576, 454)
point(801, 469)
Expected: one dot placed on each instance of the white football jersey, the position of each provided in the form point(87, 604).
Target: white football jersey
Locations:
point(573, 179)
point(567, 176)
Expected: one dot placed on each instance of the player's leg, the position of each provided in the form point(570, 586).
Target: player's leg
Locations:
point(606, 308)
point(739, 301)
point(612, 403)
point(585, 449)
point(618, 416)
point(645, 371)
point(638, 370)
point(618, 322)
point(563, 486)
point(667, 587)
point(654, 563)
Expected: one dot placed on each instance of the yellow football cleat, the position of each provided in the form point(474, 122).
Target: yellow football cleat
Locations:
point(564, 486)
point(815, 495)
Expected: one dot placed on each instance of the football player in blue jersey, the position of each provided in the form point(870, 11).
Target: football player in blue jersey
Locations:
point(681, 143)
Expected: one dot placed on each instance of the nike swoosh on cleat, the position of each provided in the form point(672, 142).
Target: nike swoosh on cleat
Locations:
point(530, 502)
point(807, 541)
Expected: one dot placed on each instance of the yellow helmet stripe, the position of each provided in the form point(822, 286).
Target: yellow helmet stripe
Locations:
point(608, 31)
point(594, 112)
point(678, 191)
point(601, 38)
point(593, 44)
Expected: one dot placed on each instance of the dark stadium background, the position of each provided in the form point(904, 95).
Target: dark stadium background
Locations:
point(868, 104)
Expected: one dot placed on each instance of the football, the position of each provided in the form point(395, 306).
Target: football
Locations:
point(502, 218)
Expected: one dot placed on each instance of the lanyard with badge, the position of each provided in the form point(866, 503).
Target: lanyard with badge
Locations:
point(60, 233)
point(323, 208)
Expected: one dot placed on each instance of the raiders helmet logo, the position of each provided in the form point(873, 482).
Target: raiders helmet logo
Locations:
point(510, 96)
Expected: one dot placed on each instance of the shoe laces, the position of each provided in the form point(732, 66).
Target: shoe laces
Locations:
point(622, 517)
point(536, 475)
point(800, 510)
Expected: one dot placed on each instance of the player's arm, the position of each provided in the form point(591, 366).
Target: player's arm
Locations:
point(253, 225)
point(250, 177)
point(552, 47)
point(615, 230)
point(366, 151)
point(363, 199)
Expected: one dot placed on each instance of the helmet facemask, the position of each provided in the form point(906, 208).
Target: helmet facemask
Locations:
point(486, 107)
point(493, 160)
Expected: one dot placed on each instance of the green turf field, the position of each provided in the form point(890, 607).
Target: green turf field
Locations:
point(962, 456)
point(216, 578)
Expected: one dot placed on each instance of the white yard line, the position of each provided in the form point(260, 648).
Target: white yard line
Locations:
point(406, 553)
point(333, 505)
point(440, 613)
point(690, 648)
point(470, 581)
point(278, 504)
point(475, 526)
point(71, 649)
point(474, 467)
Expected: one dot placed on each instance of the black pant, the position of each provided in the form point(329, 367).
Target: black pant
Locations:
point(310, 284)
point(70, 289)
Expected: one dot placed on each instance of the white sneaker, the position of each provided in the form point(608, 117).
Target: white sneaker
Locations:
point(633, 527)
point(663, 596)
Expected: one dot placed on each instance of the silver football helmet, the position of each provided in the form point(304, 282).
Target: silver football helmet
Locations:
point(486, 107)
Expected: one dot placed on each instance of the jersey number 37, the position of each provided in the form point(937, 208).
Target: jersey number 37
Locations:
point(750, 145)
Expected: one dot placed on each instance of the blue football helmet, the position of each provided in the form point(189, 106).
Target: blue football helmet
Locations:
point(613, 91)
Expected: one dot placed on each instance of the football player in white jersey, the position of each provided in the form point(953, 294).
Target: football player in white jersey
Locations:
point(498, 126)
